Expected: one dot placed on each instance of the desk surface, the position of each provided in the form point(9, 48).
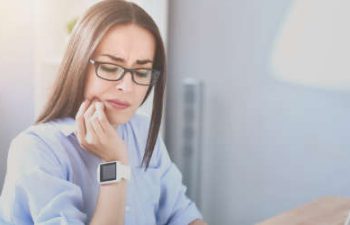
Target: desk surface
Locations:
point(324, 211)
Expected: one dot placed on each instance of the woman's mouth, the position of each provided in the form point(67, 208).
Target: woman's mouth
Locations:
point(118, 104)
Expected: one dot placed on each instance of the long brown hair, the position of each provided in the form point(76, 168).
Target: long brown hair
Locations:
point(68, 90)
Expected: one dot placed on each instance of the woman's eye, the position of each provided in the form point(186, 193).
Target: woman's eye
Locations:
point(142, 73)
point(109, 68)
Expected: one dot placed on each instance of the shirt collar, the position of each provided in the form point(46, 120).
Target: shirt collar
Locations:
point(66, 125)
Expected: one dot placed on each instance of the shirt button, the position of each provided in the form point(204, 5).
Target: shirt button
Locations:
point(127, 208)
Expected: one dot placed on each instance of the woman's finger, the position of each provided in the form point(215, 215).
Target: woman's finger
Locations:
point(80, 132)
point(90, 136)
point(100, 109)
point(96, 123)
point(84, 105)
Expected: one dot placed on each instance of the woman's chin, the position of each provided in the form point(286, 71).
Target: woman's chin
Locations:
point(116, 120)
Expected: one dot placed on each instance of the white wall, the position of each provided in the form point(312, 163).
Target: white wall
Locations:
point(16, 72)
point(51, 36)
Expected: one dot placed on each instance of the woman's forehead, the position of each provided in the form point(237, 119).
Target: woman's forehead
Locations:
point(128, 42)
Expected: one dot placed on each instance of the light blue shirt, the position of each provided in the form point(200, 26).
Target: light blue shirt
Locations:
point(50, 179)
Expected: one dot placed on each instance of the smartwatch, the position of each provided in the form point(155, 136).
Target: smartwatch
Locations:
point(112, 172)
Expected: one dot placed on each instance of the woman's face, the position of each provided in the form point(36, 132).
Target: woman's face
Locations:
point(129, 46)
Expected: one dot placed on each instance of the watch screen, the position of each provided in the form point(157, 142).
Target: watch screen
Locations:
point(108, 172)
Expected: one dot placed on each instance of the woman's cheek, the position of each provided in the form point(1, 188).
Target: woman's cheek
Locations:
point(109, 115)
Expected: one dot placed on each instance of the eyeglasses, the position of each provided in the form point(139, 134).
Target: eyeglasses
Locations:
point(113, 72)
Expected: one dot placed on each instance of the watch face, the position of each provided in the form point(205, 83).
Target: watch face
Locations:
point(108, 172)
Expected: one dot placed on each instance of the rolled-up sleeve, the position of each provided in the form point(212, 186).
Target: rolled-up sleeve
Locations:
point(36, 189)
point(175, 208)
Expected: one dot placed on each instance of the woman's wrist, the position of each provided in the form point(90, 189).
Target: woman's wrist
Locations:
point(116, 156)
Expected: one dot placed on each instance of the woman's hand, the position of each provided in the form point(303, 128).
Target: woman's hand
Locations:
point(96, 135)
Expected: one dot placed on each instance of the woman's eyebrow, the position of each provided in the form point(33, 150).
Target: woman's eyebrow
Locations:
point(140, 62)
point(114, 57)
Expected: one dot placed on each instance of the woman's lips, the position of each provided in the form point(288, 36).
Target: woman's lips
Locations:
point(117, 104)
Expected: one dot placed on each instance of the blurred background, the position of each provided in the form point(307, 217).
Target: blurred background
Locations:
point(258, 99)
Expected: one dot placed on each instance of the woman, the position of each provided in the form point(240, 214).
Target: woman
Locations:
point(114, 58)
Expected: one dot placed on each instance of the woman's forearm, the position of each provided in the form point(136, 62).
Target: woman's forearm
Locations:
point(198, 222)
point(110, 207)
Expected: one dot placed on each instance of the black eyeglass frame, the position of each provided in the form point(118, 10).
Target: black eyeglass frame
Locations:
point(155, 73)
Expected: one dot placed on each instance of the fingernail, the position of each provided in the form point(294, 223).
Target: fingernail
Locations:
point(86, 101)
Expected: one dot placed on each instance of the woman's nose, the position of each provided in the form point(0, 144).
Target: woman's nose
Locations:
point(126, 83)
